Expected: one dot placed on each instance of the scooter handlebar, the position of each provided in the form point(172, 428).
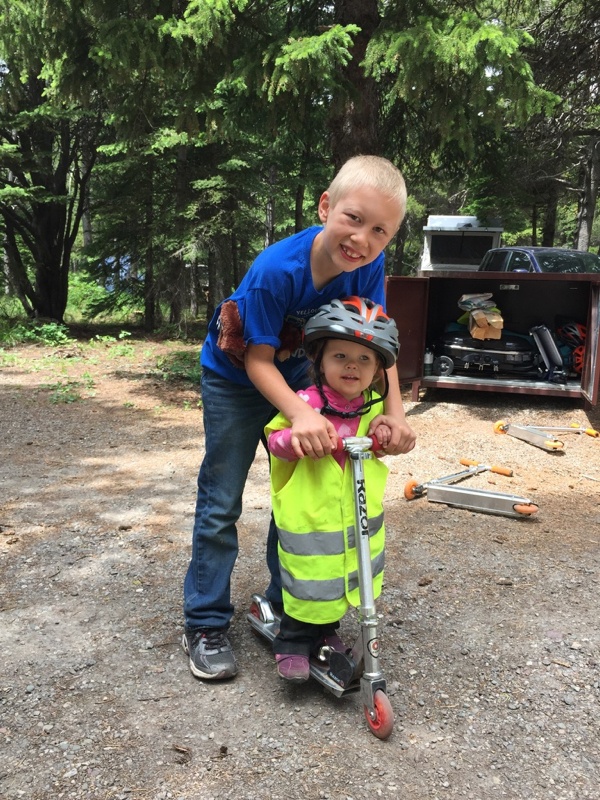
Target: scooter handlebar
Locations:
point(498, 470)
point(363, 443)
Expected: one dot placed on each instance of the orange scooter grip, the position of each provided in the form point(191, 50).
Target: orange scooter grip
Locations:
point(498, 470)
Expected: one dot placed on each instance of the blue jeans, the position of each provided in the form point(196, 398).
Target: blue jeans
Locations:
point(234, 421)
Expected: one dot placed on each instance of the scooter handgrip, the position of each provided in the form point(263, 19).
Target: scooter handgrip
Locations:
point(498, 470)
point(502, 471)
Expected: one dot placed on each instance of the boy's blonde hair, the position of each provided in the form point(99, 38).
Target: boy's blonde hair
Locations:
point(373, 171)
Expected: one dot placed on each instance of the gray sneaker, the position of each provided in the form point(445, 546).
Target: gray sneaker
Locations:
point(211, 654)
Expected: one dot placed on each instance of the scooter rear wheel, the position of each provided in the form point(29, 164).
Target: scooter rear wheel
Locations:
point(381, 722)
point(409, 490)
point(526, 509)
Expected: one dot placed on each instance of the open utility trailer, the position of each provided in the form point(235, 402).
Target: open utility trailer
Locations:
point(422, 307)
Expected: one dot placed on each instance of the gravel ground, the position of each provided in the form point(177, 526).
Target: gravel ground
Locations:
point(489, 625)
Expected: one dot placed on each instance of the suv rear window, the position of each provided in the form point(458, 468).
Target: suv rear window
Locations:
point(494, 262)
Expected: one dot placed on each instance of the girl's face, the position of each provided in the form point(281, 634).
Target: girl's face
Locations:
point(348, 367)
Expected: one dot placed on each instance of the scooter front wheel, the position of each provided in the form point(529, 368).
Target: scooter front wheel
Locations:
point(381, 721)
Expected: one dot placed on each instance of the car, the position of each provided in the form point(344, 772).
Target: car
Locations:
point(539, 259)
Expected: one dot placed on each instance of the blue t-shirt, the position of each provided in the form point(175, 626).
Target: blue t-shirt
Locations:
point(275, 299)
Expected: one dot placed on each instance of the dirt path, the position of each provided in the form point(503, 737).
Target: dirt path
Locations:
point(490, 625)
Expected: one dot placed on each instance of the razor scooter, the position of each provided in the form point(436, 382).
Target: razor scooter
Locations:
point(442, 490)
point(358, 668)
point(542, 436)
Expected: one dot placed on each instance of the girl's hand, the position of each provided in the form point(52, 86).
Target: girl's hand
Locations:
point(402, 437)
point(383, 434)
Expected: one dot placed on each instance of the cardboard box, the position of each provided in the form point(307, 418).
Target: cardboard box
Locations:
point(486, 333)
point(485, 324)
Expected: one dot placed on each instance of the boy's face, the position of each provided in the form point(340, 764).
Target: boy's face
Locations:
point(358, 227)
point(348, 367)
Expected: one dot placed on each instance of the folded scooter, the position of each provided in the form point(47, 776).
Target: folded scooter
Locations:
point(542, 436)
point(442, 490)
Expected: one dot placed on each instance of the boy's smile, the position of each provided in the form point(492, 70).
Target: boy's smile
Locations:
point(357, 229)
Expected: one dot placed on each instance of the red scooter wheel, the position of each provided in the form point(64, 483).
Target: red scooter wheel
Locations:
point(381, 722)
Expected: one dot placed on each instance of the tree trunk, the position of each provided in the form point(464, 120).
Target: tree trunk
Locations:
point(149, 284)
point(299, 208)
point(589, 195)
point(354, 118)
point(46, 222)
point(17, 272)
point(270, 209)
point(220, 272)
point(549, 226)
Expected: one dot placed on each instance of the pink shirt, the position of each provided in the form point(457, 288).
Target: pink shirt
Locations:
point(280, 441)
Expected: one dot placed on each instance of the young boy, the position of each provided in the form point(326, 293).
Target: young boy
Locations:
point(350, 342)
point(252, 365)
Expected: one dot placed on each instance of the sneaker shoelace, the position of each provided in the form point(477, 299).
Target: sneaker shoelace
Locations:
point(215, 639)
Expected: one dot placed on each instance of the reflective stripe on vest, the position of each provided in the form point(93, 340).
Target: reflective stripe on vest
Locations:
point(327, 544)
point(327, 590)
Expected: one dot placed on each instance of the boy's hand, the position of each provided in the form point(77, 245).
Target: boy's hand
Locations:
point(402, 438)
point(312, 434)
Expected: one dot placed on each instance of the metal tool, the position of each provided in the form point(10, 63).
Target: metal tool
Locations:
point(358, 668)
point(442, 490)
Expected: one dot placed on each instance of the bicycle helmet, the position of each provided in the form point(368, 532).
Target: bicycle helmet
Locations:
point(355, 319)
point(578, 356)
point(572, 333)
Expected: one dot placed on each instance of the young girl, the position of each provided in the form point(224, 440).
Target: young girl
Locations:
point(351, 343)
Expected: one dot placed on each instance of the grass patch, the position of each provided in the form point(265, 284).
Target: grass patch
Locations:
point(50, 334)
point(70, 391)
point(182, 365)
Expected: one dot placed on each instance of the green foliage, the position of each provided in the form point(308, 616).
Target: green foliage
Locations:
point(92, 301)
point(51, 334)
point(64, 391)
point(294, 63)
point(175, 126)
point(180, 365)
point(460, 71)
point(112, 342)
point(85, 296)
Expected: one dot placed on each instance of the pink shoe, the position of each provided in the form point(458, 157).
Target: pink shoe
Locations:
point(292, 667)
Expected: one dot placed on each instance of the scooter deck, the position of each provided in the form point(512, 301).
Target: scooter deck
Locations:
point(535, 436)
point(269, 627)
point(476, 499)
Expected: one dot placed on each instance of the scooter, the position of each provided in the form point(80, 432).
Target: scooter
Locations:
point(358, 668)
point(542, 436)
point(442, 490)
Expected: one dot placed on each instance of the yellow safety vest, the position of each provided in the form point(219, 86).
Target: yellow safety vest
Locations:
point(313, 506)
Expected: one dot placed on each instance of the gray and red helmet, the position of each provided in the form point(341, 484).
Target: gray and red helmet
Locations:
point(356, 319)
